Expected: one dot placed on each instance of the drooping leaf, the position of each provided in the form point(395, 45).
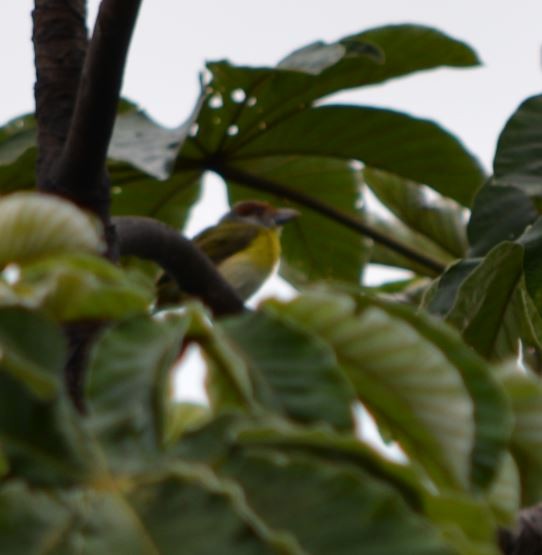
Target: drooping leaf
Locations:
point(33, 225)
point(16, 137)
point(33, 350)
point(390, 227)
point(519, 151)
point(413, 148)
point(531, 241)
point(79, 286)
point(382, 347)
point(295, 374)
point(378, 352)
point(524, 390)
point(465, 523)
point(313, 246)
point(505, 493)
point(39, 431)
point(128, 386)
point(484, 297)
point(135, 193)
point(330, 508)
point(438, 219)
point(500, 213)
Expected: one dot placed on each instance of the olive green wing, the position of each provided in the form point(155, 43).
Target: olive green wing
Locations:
point(224, 240)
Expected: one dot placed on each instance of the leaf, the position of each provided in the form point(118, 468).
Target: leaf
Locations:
point(33, 350)
point(400, 392)
point(531, 240)
point(40, 435)
point(413, 148)
point(499, 213)
point(34, 225)
point(313, 246)
point(524, 390)
point(128, 387)
point(29, 519)
point(353, 512)
point(16, 137)
point(519, 151)
point(465, 523)
point(447, 413)
point(135, 193)
point(185, 506)
point(484, 297)
point(300, 379)
point(391, 227)
point(78, 286)
point(505, 493)
point(438, 219)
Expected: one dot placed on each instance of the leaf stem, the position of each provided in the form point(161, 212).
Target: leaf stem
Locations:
point(355, 223)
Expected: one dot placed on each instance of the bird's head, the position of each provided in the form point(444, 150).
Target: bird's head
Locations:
point(260, 213)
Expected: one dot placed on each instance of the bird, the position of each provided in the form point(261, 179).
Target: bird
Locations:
point(244, 246)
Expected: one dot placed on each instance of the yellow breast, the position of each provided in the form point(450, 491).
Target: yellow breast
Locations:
point(248, 269)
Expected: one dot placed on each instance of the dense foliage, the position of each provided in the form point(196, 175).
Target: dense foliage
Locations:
point(446, 362)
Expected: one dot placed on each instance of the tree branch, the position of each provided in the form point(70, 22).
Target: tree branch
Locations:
point(194, 272)
point(80, 172)
point(352, 222)
point(60, 42)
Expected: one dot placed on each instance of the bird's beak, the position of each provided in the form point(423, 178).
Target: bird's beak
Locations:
point(283, 215)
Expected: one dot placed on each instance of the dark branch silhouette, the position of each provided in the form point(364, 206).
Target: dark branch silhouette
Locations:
point(261, 184)
point(189, 266)
point(81, 169)
point(60, 42)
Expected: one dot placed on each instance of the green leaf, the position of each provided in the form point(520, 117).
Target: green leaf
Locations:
point(29, 519)
point(464, 522)
point(45, 443)
point(301, 379)
point(500, 213)
point(438, 219)
point(448, 413)
point(524, 390)
point(505, 493)
point(392, 227)
point(519, 151)
point(33, 350)
point(135, 193)
point(80, 286)
point(128, 386)
point(531, 240)
point(270, 95)
point(330, 508)
point(485, 296)
point(313, 246)
point(16, 137)
point(413, 148)
point(185, 506)
point(34, 225)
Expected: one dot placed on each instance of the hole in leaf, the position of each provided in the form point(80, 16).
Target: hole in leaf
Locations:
point(233, 130)
point(194, 128)
point(238, 95)
point(252, 101)
point(215, 101)
point(12, 273)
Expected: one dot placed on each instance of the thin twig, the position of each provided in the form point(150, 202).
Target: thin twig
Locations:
point(261, 184)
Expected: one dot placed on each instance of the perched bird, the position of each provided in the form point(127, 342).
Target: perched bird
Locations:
point(244, 245)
